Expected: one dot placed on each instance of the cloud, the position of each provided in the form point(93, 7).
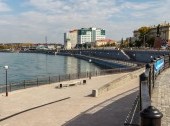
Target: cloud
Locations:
point(54, 17)
point(4, 7)
point(138, 6)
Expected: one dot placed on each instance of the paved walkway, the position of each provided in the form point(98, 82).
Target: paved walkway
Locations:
point(161, 96)
point(70, 106)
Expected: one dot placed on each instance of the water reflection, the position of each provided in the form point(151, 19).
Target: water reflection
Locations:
point(30, 66)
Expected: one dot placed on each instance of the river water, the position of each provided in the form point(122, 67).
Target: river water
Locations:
point(27, 66)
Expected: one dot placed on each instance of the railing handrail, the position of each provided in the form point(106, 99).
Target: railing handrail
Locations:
point(149, 115)
point(54, 79)
point(148, 112)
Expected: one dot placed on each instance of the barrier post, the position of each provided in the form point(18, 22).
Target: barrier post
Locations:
point(59, 78)
point(153, 73)
point(169, 60)
point(90, 75)
point(10, 87)
point(24, 84)
point(69, 77)
point(49, 80)
point(148, 67)
point(37, 81)
point(142, 77)
point(151, 116)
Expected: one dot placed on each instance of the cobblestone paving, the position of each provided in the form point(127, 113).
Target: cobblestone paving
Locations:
point(161, 96)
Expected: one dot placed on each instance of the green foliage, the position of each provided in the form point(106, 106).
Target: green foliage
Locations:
point(150, 42)
point(144, 30)
point(2, 47)
point(122, 43)
point(138, 43)
point(144, 37)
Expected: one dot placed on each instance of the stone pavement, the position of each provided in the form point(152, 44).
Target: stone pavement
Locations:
point(161, 96)
point(69, 106)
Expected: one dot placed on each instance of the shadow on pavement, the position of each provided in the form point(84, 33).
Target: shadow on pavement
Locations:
point(32, 109)
point(112, 112)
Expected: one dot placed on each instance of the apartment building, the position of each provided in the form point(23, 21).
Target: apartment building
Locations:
point(90, 35)
point(71, 39)
point(83, 35)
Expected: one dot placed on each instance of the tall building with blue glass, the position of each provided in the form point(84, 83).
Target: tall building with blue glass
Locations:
point(83, 35)
point(90, 35)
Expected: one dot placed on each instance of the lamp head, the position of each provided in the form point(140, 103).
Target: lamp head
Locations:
point(6, 67)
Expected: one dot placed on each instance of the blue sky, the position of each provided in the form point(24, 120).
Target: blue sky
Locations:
point(32, 20)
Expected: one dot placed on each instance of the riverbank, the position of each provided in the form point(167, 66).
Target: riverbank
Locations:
point(69, 106)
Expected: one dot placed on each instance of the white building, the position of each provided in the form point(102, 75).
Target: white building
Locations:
point(90, 35)
point(70, 39)
point(67, 42)
point(83, 35)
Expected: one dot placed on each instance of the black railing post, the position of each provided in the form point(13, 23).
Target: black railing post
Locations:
point(151, 116)
point(153, 73)
point(169, 60)
point(142, 77)
point(90, 75)
point(69, 77)
point(49, 80)
point(87, 73)
point(164, 56)
point(78, 75)
point(150, 82)
point(37, 81)
point(10, 87)
point(59, 78)
point(148, 67)
point(24, 84)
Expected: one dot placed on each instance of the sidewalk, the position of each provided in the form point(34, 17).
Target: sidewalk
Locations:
point(161, 96)
point(69, 106)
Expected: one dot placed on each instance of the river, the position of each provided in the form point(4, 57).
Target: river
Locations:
point(27, 66)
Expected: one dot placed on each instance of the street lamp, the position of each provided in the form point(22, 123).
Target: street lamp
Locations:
point(151, 57)
point(144, 42)
point(6, 69)
point(134, 56)
point(90, 69)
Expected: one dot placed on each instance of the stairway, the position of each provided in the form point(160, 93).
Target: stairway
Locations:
point(125, 54)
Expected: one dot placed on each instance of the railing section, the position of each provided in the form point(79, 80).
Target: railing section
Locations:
point(147, 115)
point(12, 86)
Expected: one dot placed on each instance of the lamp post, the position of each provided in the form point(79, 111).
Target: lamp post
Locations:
point(151, 57)
point(144, 40)
point(6, 69)
point(134, 56)
point(90, 68)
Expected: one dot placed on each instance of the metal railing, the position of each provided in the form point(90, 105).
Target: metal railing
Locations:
point(12, 86)
point(132, 118)
point(147, 115)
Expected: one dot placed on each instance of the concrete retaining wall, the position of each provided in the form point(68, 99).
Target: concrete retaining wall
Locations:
point(117, 82)
point(102, 62)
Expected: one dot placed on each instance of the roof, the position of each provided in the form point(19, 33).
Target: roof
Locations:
point(73, 30)
point(105, 40)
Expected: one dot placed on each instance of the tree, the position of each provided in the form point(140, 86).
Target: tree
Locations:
point(150, 41)
point(143, 37)
point(122, 43)
point(144, 30)
point(131, 43)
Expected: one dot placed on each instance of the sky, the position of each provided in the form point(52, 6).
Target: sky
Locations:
point(32, 20)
